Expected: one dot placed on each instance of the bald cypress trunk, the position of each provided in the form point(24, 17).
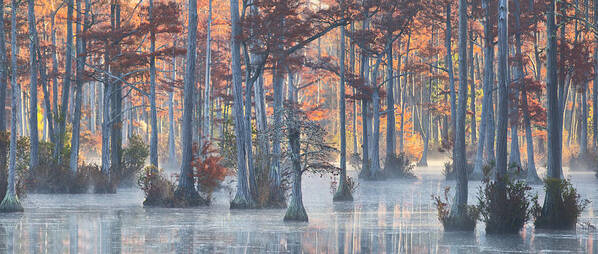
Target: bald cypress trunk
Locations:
point(153, 110)
point(343, 193)
point(449, 64)
point(33, 133)
point(459, 214)
point(487, 100)
point(171, 145)
point(11, 203)
point(81, 51)
point(3, 71)
point(595, 96)
point(503, 101)
point(242, 198)
point(66, 82)
point(186, 188)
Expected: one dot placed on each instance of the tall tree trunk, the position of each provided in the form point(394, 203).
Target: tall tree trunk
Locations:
point(33, 133)
point(116, 101)
point(449, 63)
point(171, 145)
point(532, 174)
point(595, 82)
point(66, 82)
point(491, 136)
point(343, 192)
point(472, 101)
point(206, 121)
point(487, 100)
point(11, 203)
point(503, 101)
point(375, 160)
point(459, 209)
point(550, 210)
point(186, 187)
point(3, 71)
point(153, 110)
point(242, 198)
point(390, 111)
point(295, 211)
point(81, 51)
point(352, 71)
point(106, 113)
point(404, 100)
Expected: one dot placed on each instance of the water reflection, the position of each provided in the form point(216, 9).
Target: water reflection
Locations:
point(387, 217)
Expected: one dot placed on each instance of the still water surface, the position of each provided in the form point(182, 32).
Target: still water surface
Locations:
point(387, 217)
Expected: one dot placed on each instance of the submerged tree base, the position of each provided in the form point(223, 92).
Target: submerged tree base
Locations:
point(189, 198)
point(562, 206)
point(296, 212)
point(459, 222)
point(240, 202)
point(342, 194)
point(399, 166)
point(10, 204)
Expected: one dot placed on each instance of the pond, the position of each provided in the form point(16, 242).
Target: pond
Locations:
point(386, 217)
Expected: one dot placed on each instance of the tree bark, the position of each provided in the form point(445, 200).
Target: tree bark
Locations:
point(449, 63)
point(153, 110)
point(11, 203)
point(33, 133)
point(390, 114)
point(66, 82)
point(171, 145)
point(503, 100)
point(186, 186)
point(3, 71)
point(343, 193)
point(242, 198)
point(81, 51)
point(487, 100)
point(459, 209)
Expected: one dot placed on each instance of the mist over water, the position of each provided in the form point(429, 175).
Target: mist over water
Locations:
point(386, 217)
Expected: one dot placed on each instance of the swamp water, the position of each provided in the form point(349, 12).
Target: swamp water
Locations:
point(386, 217)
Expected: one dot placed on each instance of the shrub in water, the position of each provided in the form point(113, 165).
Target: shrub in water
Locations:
point(208, 171)
point(566, 207)
point(89, 178)
point(159, 191)
point(455, 222)
point(399, 166)
point(134, 156)
point(508, 213)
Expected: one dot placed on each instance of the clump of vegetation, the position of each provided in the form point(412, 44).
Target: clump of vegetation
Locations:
point(208, 176)
point(208, 170)
point(565, 206)
point(133, 159)
point(350, 183)
point(453, 221)
point(399, 166)
point(89, 178)
point(504, 213)
point(159, 191)
point(449, 172)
